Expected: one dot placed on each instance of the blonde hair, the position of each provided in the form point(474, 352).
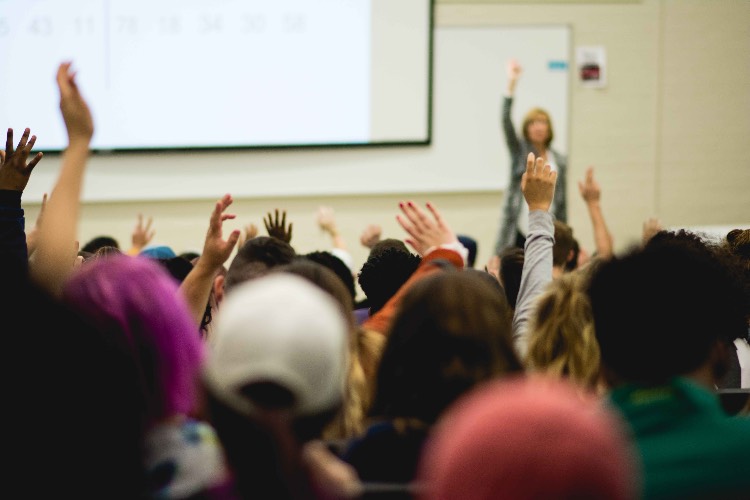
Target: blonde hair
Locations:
point(365, 349)
point(562, 341)
point(534, 114)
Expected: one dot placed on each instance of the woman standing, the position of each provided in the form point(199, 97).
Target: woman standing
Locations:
point(536, 138)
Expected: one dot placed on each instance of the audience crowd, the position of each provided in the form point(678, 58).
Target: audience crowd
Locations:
point(251, 370)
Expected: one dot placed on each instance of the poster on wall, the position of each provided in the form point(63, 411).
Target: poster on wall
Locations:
point(592, 66)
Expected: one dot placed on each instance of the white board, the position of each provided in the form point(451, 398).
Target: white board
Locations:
point(467, 153)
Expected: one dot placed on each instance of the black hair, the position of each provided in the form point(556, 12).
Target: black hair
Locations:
point(256, 257)
point(336, 265)
point(98, 242)
point(659, 311)
point(511, 268)
point(384, 272)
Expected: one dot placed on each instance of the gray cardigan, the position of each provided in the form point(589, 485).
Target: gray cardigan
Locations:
point(519, 149)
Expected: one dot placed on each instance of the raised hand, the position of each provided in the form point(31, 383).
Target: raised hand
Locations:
point(216, 250)
point(513, 68)
point(75, 111)
point(425, 233)
point(371, 235)
point(277, 228)
point(248, 232)
point(197, 285)
point(142, 234)
point(589, 188)
point(327, 220)
point(538, 183)
point(14, 171)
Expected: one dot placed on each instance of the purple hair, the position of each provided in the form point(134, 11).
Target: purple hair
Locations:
point(136, 298)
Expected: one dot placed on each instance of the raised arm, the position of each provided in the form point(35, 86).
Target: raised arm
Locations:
point(591, 194)
point(197, 285)
point(513, 70)
point(327, 223)
point(57, 235)
point(538, 187)
point(14, 176)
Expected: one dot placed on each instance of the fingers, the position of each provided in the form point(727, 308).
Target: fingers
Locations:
point(24, 139)
point(530, 163)
point(234, 237)
point(283, 218)
point(9, 142)
point(415, 215)
point(289, 233)
point(64, 79)
point(436, 214)
point(33, 163)
point(406, 226)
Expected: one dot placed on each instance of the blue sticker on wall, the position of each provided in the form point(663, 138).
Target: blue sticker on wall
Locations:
point(557, 65)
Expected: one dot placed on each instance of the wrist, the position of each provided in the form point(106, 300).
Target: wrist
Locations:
point(543, 207)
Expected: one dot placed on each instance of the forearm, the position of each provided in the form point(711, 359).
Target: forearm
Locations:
point(602, 236)
point(537, 274)
point(511, 140)
point(337, 240)
point(196, 289)
point(511, 87)
point(57, 235)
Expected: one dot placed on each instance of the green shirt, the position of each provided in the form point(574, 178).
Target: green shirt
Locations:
point(689, 447)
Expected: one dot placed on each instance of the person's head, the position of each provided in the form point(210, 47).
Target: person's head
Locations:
point(74, 402)
point(189, 255)
point(339, 268)
point(350, 420)
point(177, 267)
point(738, 245)
point(665, 311)
point(324, 278)
point(511, 267)
point(255, 258)
point(452, 331)
point(562, 249)
point(275, 377)
point(98, 242)
point(562, 342)
point(280, 347)
point(537, 127)
point(386, 269)
point(524, 439)
point(137, 300)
